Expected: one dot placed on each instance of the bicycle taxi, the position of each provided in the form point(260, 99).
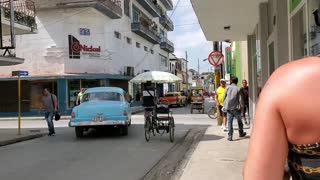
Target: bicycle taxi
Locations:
point(158, 115)
point(196, 99)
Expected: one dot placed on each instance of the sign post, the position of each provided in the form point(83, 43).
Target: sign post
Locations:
point(215, 58)
point(19, 74)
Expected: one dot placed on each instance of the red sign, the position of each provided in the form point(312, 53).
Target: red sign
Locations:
point(77, 47)
point(215, 58)
point(228, 49)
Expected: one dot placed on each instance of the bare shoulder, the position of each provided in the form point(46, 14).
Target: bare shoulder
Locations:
point(289, 74)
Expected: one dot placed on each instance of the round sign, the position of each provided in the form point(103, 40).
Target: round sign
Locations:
point(215, 58)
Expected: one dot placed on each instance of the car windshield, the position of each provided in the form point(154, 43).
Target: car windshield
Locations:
point(102, 96)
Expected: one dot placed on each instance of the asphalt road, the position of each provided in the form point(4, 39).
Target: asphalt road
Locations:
point(99, 155)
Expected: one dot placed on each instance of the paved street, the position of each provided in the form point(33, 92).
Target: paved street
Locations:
point(98, 156)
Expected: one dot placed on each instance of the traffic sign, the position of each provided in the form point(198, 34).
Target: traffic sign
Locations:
point(20, 73)
point(215, 58)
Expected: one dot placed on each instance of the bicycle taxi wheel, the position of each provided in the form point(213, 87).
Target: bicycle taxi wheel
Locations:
point(147, 126)
point(171, 129)
point(212, 113)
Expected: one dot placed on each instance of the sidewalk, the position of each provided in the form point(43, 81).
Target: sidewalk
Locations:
point(216, 158)
point(10, 136)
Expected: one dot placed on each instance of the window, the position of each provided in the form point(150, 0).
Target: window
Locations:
point(137, 45)
point(135, 14)
point(127, 7)
point(299, 33)
point(152, 51)
point(117, 34)
point(314, 28)
point(146, 48)
point(102, 96)
point(162, 35)
point(163, 60)
point(129, 41)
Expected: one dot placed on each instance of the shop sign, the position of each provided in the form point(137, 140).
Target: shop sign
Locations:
point(228, 59)
point(76, 49)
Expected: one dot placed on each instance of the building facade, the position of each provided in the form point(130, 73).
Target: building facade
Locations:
point(276, 32)
point(17, 17)
point(83, 44)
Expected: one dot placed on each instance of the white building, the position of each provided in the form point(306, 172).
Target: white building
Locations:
point(83, 43)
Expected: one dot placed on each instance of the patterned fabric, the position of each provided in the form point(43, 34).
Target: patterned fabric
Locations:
point(304, 161)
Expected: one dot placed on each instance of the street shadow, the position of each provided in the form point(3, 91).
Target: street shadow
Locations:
point(211, 138)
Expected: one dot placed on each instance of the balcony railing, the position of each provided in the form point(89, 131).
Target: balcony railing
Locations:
point(151, 6)
point(111, 8)
point(168, 4)
point(167, 45)
point(166, 22)
point(24, 12)
point(145, 32)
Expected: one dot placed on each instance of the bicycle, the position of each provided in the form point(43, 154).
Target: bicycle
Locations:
point(212, 112)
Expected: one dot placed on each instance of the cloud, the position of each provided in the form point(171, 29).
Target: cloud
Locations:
point(188, 36)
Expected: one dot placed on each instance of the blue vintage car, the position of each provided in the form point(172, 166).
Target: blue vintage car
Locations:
point(102, 106)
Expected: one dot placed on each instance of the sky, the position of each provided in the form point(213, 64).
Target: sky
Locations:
point(188, 36)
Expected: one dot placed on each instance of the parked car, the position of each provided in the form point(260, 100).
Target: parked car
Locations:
point(174, 98)
point(102, 106)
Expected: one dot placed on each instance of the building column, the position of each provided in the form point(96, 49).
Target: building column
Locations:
point(263, 28)
point(252, 81)
point(282, 30)
point(62, 96)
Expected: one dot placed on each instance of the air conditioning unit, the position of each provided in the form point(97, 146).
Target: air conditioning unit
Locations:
point(128, 71)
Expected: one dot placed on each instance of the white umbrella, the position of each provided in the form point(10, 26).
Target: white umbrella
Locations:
point(156, 77)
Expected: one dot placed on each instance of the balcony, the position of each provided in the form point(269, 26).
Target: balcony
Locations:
point(111, 8)
point(167, 45)
point(168, 4)
point(145, 32)
point(166, 22)
point(24, 17)
point(151, 6)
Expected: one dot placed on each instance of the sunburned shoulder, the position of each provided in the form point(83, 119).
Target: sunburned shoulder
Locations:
point(296, 72)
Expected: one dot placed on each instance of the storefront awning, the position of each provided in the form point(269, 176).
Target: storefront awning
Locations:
point(69, 76)
point(228, 19)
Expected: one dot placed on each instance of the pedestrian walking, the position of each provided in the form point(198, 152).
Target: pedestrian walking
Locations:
point(286, 124)
point(244, 92)
point(50, 107)
point(231, 104)
point(219, 103)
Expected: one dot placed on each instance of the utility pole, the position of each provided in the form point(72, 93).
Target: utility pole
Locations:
point(198, 73)
point(216, 70)
point(187, 75)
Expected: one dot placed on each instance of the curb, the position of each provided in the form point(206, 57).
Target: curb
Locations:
point(171, 164)
point(21, 139)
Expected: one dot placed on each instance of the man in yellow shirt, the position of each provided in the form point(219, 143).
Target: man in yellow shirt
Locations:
point(219, 103)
